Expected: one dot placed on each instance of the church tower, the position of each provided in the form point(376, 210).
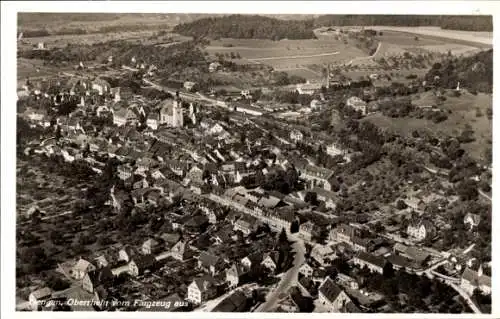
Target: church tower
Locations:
point(177, 116)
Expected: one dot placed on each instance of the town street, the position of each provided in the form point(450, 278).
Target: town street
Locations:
point(289, 279)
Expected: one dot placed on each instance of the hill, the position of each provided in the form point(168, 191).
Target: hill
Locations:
point(465, 23)
point(247, 27)
point(474, 72)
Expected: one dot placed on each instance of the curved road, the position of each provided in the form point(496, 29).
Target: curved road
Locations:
point(289, 279)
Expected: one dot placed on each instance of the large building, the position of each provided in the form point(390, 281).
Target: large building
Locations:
point(171, 113)
point(357, 104)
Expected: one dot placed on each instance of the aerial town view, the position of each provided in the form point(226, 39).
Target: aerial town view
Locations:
point(254, 163)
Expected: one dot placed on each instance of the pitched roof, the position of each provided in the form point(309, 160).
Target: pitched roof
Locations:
point(99, 276)
point(330, 289)
point(233, 303)
point(42, 293)
point(208, 259)
point(371, 259)
point(144, 261)
point(82, 265)
point(205, 282)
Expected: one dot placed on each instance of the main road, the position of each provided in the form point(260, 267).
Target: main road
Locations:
point(289, 279)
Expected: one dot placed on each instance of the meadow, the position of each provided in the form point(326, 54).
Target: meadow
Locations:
point(464, 110)
point(286, 53)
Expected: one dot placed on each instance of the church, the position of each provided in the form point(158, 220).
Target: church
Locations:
point(171, 113)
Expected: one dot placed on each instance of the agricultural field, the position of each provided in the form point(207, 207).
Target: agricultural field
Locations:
point(59, 41)
point(478, 38)
point(286, 53)
point(465, 109)
point(28, 68)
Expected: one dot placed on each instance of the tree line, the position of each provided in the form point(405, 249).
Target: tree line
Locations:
point(466, 23)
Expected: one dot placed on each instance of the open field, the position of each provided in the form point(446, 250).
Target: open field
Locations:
point(28, 68)
point(286, 53)
point(463, 112)
point(478, 38)
point(304, 72)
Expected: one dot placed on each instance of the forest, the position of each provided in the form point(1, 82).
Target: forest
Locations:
point(247, 27)
point(466, 23)
point(474, 73)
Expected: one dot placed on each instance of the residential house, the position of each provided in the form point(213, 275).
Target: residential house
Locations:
point(418, 256)
point(236, 302)
point(332, 297)
point(421, 229)
point(317, 176)
point(125, 171)
point(181, 251)
point(343, 233)
point(346, 281)
point(127, 253)
point(151, 246)
point(214, 66)
point(296, 135)
point(124, 116)
point(472, 220)
point(316, 104)
point(251, 261)
point(374, 263)
point(39, 116)
point(96, 278)
point(357, 104)
point(271, 261)
point(37, 297)
point(335, 149)
point(472, 280)
point(188, 85)
point(81, 268)
point(245, 225)
point(307, 88)
point(101, 262)
point(306, 230)
point(323, 254)
point(234, 274)
point(153, 120)
point(306, 270)
point(328, 197)
point(210, 263)
point(202, 289)
point(140, 263)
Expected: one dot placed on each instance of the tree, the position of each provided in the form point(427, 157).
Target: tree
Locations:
point(401, 204)
point(312, 198)
point(467, 190)
point(283, 237)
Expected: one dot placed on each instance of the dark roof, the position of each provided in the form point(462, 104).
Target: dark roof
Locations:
point(144, 261)
point(371, 259)
point(100, 276)
point(208, 259)
point(236, 302)
point(330, 290)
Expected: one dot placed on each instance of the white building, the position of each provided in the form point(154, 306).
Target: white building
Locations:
point(357, 104)
point(171, 113)
point(296, 135)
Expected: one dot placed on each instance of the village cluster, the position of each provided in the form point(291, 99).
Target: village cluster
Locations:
point(225, 167)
